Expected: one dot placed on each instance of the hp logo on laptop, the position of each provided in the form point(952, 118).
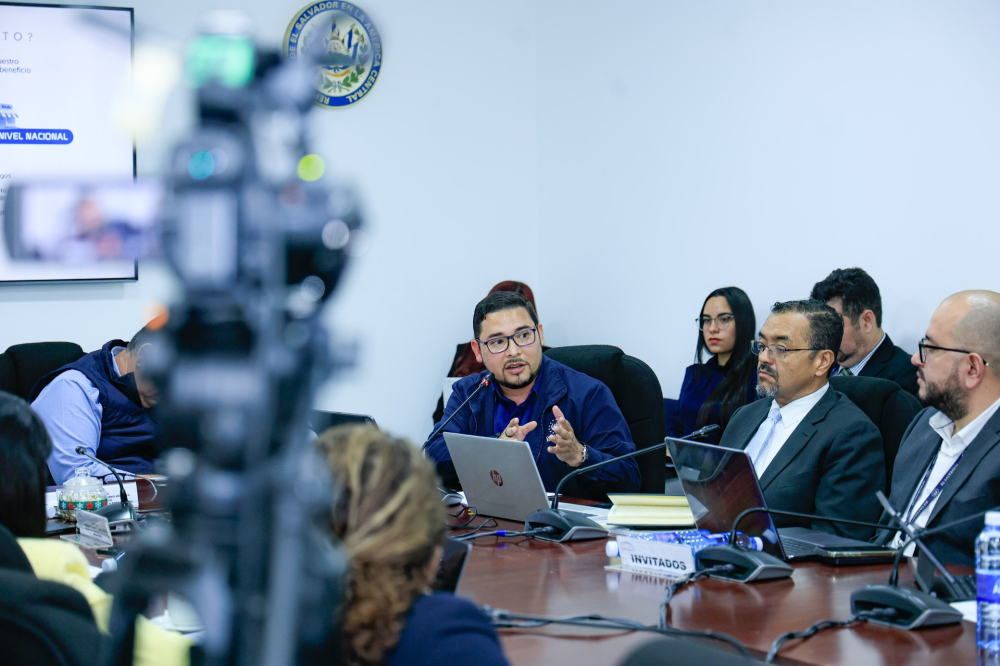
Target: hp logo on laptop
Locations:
point(496, 478)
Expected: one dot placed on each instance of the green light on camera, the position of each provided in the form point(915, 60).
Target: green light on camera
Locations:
point(312, 167)
point(201, 165)
point(229, 60)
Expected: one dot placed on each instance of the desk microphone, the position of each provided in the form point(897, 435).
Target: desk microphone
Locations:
point(113, 512)
point(914, 608)
point(573, 526)
point(483, 383)
point(753, 565)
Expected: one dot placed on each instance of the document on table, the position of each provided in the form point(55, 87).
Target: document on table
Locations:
point(967, 608)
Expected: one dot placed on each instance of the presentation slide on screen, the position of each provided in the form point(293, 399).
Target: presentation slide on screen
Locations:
point(61, 70)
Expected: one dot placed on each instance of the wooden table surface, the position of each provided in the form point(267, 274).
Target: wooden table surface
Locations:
point(537, 577)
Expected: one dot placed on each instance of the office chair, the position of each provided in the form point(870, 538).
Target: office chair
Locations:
point(685, 651)
point(23, 365)
point(321, 421)
point(636, 391)
point(888, 406)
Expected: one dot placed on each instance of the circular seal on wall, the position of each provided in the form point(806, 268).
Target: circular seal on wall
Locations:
point(344, 41)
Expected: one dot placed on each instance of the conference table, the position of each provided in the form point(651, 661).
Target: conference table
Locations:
point(536, 577)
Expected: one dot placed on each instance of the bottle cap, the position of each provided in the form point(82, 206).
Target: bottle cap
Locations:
point(611, 548)
point(993, 518)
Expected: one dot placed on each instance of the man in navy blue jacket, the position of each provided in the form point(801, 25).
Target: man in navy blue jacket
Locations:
point(568, 419)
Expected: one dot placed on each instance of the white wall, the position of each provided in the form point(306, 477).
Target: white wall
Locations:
point(686, 146)
point(624, 160)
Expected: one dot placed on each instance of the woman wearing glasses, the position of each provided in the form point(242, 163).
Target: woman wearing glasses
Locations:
point(714, 389)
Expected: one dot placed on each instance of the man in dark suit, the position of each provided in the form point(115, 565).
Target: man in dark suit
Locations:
point(865, 349)
point(812, 448)
point(948, 465)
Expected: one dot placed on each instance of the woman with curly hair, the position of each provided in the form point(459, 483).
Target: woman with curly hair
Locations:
point(388, 514)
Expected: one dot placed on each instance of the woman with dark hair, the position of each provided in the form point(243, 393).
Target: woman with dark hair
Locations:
point(712, 391)
point(388, 515)
point(24, 448)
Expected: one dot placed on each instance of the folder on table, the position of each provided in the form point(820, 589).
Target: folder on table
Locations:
point(635, 510)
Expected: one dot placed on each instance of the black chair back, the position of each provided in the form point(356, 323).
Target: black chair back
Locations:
point(42, 622)
point(888, 406)
point(684, 652)
point(636, 391)
point(23, 365)
point(320, 421)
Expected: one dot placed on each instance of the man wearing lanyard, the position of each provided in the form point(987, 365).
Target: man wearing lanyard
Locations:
point(949, 460)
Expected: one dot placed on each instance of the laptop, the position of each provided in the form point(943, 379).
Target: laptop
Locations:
point(452, 565)
point(963, 589)
point(499, 476)
point(720, 484)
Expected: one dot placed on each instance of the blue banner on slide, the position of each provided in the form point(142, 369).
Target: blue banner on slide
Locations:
point(56, 137)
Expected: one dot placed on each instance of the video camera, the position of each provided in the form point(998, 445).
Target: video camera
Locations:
point(258, 246)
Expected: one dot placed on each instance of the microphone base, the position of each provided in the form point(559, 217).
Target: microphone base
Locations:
point(569, 526)
point(914, 609)
point(750, 565)
point(122, 512)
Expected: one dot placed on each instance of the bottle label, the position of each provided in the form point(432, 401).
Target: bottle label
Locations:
point(988, 585)
point(89, 505)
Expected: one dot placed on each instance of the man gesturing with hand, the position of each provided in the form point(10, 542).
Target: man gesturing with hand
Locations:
point(569, 420)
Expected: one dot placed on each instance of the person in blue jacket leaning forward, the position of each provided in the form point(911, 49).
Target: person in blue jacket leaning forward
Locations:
point(568, 419)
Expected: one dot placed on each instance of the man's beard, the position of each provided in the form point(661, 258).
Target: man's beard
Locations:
point(947, 398)
point(521, 380)
point(767, 391)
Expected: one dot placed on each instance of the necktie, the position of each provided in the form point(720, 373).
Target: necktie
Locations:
point(846, 372)
point(758, 445)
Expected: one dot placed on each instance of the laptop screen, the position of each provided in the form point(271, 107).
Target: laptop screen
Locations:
point(720, 484)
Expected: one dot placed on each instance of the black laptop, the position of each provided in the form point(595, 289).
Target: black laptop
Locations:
point(720, 484)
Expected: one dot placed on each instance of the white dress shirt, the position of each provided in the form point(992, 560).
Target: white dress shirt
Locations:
point(952, 446)
point(791, 416)
point(70, 407)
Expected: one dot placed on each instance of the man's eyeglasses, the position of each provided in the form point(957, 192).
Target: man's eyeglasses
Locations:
point(723, 321)
point(499, 345)
point(922, 346)
point(776, 351)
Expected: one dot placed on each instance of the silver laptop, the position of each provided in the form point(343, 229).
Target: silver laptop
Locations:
point(499, 476)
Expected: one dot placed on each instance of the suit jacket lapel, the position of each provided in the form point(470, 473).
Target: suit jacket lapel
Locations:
point(799, 438)
point(925, 450)
point(984, 442)
point(879, 359)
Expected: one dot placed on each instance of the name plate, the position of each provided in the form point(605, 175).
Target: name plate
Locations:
point(672, 560)
point(93, 531)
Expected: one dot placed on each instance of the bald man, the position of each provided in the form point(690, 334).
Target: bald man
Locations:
point(948, 465)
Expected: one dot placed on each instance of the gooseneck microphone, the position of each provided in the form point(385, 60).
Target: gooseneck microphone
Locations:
point(573, 526)
point(795, 514)
point(113, 512)
point(914, 608)
point(751, 565)
point(914, 537)
point(483, 383)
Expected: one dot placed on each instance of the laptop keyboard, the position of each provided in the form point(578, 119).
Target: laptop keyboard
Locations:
point(796, 548)
point(964, 588)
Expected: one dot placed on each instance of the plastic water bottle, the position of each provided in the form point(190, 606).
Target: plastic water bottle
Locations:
point(988, 591)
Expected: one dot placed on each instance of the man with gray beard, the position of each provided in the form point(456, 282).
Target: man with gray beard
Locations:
point(948, 465)
point(814, 451)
